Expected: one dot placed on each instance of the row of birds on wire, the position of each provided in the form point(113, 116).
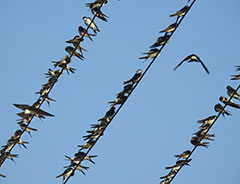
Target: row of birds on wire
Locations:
point(197, 140)
point(29, 111)
point(98, 129)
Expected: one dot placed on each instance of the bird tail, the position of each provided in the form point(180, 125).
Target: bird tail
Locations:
point(175, 14)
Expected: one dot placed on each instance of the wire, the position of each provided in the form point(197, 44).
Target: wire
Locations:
point(145, 71)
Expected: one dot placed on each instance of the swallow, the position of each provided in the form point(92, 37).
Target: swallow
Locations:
point(127, 89)
point(179, 164)
point(93, 26)
point(11, 156)
point(72, 52)
point(169, 175)
point(184, 154)
point(82, 155)
point(2, 176)
point(28, 129)
point(99, 14)
point(80, 168)
point(153, 53)
point(180, 13)
point(119, 100)
point(109, 114)
point(135, 78)
point(31, 110)
point(231, 92)
point(77, 41)
point(196, 142)
point(218, 108)
point(62, 63)
point(96, 4)
point(209, 120)
point(230, 103)
point(235, 77)
point(170, 28)
point(192, 58)
point(84, 32)
point(87, 145)
point(74, 161)
point(67, 172)
point(200, 133)
point(166, 181)
point(18, 133)
point(52, 73)
point(100, 125)
point(160, 41)
point(92, 136)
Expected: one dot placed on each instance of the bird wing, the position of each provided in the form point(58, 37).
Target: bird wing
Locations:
point(205, 68)
point(21, 106)
point(179, 64)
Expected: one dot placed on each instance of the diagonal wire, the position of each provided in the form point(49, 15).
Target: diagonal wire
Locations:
point(145, 71)
point(31, 118)
point(205, 133)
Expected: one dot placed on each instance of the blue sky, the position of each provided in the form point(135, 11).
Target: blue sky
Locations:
point(158, 119)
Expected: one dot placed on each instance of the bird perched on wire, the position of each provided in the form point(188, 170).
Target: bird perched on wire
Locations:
point(67, 172)
point(82, 155)
point(135, 78)
point(192, 58)
point(28, 129)
point(160, 41)
point(180, 13)
point(99, 14)
point(96, 4)
point(109, 114)
point(184, 154)
point(119, 100)
point(230, 103)
point(231, 91)
point(87, 145)
point(153, 53)
point(169, 175)
point(93, 26)
point(77, 41)
point(235, 77)
point(178, 164)
point(207, 121)
point(218, 108)
point(170, 28)
point(71, 51)
point(82, 31)
point(195, 142)
point(11, 156)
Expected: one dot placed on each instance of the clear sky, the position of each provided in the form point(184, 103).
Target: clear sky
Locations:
point(158, 119)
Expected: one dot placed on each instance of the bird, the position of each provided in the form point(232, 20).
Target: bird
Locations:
point(208, 121)
point(205, 136)
point(109, 114)
point(18, 133)
point(2, 176)
point(99, 14)
point(71, 51)
point(82, 31)
point(218, 108)
point(184, 154)
point(96, 4)
point(192, 58)
point(135, 78)
point(82, 155)
point(119, 100)
point(231, 92)
point(27, 128)
point(87, 145)
point(235, 77)
point(170, 28)
point(93, 26)
point(52, 73)
point(181, 12)
point(11, 156)
point(179, 164)
point(79, 167)
point(160, 41)
point(77, 41)
point(196, 142)
point(229, 102)
point(153, 53)
point(67, 172)
point(169, 175)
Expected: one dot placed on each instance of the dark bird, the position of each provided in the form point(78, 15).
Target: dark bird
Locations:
point(209, 120)
point(99, 14)
point(72, 51)
point(135, 78)
point(109, 114)
point(82, 155)
point(169, 175)
point(27, 128)
point(218, 108)
point(237, 68)
point(93, 26)
point(153, 53)
point(231, 91)
point(160, 41)
point(96, 4)
point(195, 142)
point(170, 28)
point(67, 172)
point(181, 12)
point(84, 32)
point(2, 176)
point(79, 167)
point(179, 164)
point(18, 133)
point(87, 145)
point(119, 100)
point(235, 77)
point(230, 103)
point(185, 154)
point(192, 58)
point(77, 41)
point(11, 156)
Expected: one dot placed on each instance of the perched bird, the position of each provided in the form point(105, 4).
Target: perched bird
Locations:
point(218, 108)
point(77, 41)
point(119, 100)
point(87, 145)
point(231, 91)
point(135, 78)
point(80, 168)
point(109, 114)
point(160, 41)
point(99, 14)
point(153, 53)
point(52, 73)
point(185, 154)
point(27, 128)
point(84, 32)
point(67, 172)
point(32, 110)
point(96, 4)
point(22, 143)
point(127, 88)
point(235, 77)
point(170, 28)
point(93, 26)
point(195, 142)
point(2, 176)
point(82, 155)
point(179, 164)
point(166, 181)
point(192, 58)
point(72, 51)
point(181, 12)
point(230, 103)
point(169, 175)
point(18, 133)
point(206, 136)
point(209, 120)
point(11, 156)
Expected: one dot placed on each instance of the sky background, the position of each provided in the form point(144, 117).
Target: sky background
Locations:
point(158, 119)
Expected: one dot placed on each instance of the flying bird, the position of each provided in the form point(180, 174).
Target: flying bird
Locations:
point(231, 91)
point(218, 108)
point(192, 58)
point(82, 31)
point(181, 12)
point(153, 53)
point(135, 78)
point(230, 103)
point(93, 26)
point(170, 28)
point(185, 154)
